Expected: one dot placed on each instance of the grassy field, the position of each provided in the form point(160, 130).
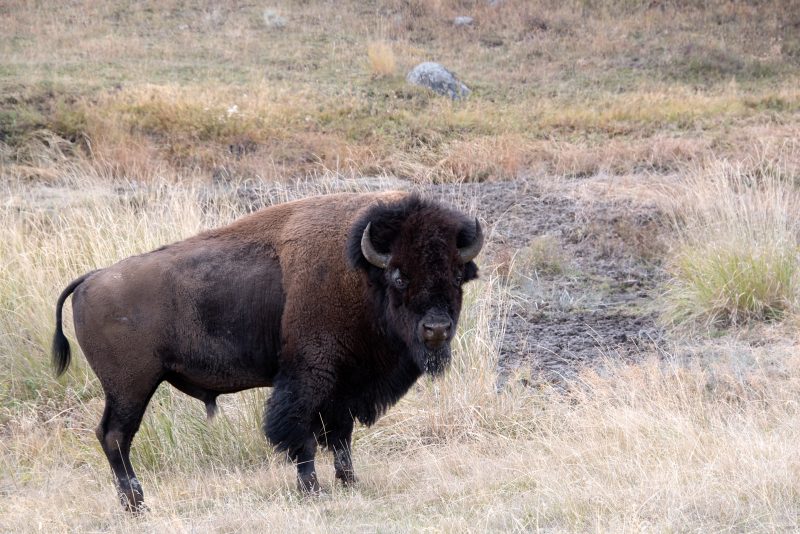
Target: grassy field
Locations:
point(559, 87)
point(127, 126)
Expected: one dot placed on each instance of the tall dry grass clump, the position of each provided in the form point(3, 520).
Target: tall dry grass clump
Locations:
point(382, 62)
point(736, 253)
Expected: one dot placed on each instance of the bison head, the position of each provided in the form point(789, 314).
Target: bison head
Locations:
point(416, 255)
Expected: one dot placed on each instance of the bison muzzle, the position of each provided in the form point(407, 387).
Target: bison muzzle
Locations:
point(338, 302)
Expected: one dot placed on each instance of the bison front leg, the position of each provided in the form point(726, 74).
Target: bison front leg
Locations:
point(340, 441)
point(288, 424)
point(306, 473)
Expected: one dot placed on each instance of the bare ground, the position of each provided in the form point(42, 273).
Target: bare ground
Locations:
point(599, 304)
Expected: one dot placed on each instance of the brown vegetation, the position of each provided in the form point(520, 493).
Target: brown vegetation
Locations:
point(217, 92)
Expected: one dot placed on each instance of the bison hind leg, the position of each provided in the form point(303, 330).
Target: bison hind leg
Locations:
point(115, 432)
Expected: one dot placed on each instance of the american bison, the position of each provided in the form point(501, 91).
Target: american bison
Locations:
point(338, 302)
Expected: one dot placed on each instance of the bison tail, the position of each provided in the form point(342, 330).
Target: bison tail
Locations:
point(61, 350)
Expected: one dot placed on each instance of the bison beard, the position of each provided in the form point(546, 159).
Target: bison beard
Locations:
point(340, 326)
point(436, 361)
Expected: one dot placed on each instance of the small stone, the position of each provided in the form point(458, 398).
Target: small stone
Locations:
point(438, 79)
point(273, 20)
point(463, 20)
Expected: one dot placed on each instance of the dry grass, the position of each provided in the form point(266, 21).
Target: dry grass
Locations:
point(543, 255)
point(708, 442)
point(157, 83)
point(735, 256)
point(382, 62)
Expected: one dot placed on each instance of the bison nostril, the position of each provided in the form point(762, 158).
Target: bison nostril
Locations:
point(436, 331)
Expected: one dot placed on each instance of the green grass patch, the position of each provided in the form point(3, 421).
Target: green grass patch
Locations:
point(735, 284)
point(735, 257)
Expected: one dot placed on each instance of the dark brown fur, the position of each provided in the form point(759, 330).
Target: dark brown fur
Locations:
point(283, 298)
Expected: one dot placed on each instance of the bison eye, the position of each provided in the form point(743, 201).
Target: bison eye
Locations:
point(399, 281)
point(458, 279)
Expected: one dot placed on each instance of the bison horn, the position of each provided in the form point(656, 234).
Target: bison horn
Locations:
point(368, 250)
point(469, 252)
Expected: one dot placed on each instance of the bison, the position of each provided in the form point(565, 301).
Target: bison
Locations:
point(337, 302)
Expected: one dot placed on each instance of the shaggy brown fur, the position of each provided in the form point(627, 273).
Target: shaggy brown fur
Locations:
point(284, 297)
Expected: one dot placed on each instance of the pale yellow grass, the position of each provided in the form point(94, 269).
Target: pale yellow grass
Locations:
point(669, 105)
point(663, 445)
point(647, 447)
point(381, 59)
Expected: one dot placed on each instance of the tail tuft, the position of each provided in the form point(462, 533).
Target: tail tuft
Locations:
point(61, 353)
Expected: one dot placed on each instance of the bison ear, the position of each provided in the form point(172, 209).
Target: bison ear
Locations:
point(470, 271)
point(470, 236)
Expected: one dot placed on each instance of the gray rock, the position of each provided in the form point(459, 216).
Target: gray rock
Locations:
point(463, 21)
point(438, 79)
point(273, 20)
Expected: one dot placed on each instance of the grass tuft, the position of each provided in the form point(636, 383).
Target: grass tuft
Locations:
point(382, 63)
point(542, 256)
point(735, 258)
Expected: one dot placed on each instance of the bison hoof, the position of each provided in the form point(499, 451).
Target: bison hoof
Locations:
point(309, 485)
point(131, 496)
point(347, 478)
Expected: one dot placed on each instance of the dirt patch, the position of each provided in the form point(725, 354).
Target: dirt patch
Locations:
point(598, 304)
